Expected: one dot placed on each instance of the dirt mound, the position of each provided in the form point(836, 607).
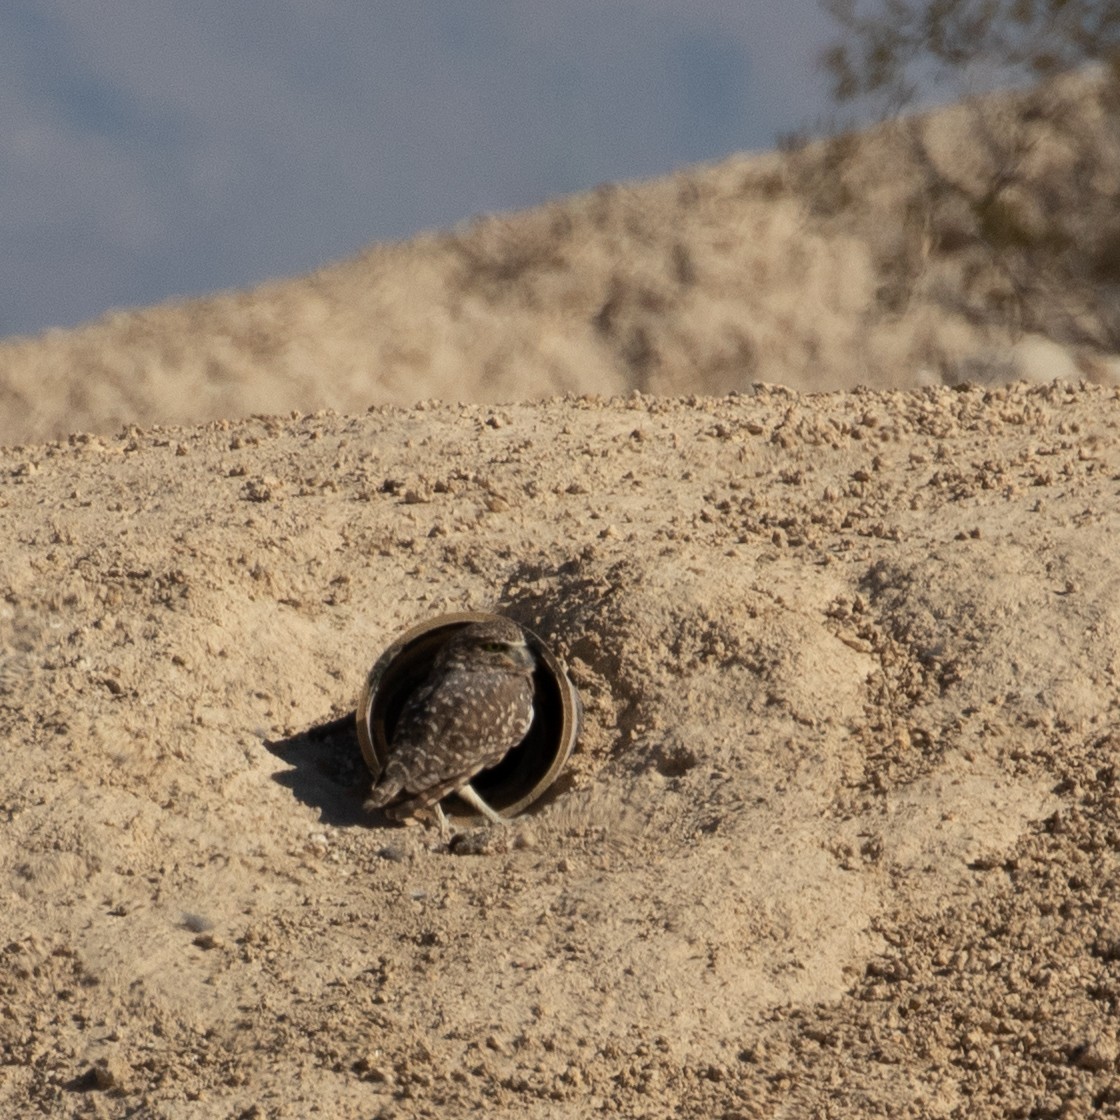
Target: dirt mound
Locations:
point(836, 841)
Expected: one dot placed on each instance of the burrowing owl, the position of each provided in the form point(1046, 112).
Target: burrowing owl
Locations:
point(474, 707)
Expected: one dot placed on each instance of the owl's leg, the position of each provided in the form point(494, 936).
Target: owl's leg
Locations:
point(442, 821)
point(468, 794)
point(414, 805)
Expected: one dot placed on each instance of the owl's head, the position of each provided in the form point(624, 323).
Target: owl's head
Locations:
point(495, 645)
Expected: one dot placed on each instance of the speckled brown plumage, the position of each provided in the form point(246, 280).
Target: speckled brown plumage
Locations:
point(474, 707)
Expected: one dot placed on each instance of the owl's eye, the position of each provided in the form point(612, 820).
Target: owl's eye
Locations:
point(494, 647)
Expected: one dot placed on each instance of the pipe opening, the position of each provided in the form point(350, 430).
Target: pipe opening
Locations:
point(527, 770)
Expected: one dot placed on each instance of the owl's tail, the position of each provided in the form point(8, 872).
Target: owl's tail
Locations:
point(382, 794)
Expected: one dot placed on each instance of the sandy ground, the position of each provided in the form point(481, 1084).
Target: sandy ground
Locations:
point(839, 840)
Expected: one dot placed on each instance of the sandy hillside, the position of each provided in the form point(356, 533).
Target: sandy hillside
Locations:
point(980, 243)
point(839, 839)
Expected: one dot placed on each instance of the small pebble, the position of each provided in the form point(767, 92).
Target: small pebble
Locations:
point(396, 853)
point(485, 841)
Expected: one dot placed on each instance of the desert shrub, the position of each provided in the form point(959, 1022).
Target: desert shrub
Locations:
point(1028, 190)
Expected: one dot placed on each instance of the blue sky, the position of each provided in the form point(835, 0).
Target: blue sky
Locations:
point(151, 149)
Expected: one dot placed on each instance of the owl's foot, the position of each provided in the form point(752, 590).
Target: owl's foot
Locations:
point(468, 794)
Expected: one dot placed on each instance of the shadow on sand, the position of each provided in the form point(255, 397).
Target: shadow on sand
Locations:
point(329, 773)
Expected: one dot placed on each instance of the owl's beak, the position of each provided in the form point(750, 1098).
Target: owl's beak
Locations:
point(521, 658)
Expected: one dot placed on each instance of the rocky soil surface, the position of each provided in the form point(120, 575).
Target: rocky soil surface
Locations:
point(839, 839)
